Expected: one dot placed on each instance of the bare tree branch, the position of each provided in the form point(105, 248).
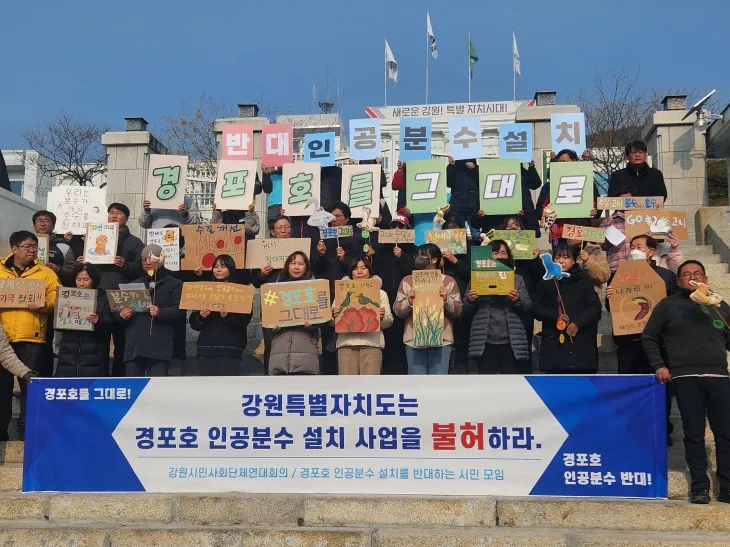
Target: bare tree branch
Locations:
point(67, 149)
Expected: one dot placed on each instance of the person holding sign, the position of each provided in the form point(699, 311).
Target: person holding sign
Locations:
point(569, 309)
point(222, 336)
point(462, 176)
point(61, 258)
point(148, 334)
point(498, 339)
point(85, 354)
point(186, 213)
point(637, 175)
point(428, 360)
point(593, 260)
point(295, 350)
point(25, 326)
point(362, 352)
point(250, 219)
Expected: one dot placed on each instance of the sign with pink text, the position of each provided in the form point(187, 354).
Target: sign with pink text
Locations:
point(237, 142)
point(277, 144)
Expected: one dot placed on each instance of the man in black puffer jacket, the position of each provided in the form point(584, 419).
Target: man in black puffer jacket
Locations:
point(637, 175)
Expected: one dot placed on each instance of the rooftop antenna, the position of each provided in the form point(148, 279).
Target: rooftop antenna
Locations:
point(326, 104)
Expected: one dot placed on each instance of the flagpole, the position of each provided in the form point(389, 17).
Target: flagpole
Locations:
point(514, 69)
point(468, 59)
point(385, 73)
point(427, 54)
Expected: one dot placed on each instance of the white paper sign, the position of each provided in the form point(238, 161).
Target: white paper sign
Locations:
point(169, 240)
point(615, 236)
point(75, 206)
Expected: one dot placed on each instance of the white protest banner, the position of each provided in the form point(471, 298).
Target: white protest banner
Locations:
point(235, 184)
point(75, 206)
point(361, 188)
point(169, 240)
point(274, 251)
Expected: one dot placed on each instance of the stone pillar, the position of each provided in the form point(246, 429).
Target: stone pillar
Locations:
point(128, 154)
point(678, 149)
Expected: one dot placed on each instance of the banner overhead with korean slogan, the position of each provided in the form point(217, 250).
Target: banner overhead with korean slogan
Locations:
point(637, 289)
point(489, 276)
point(216, 296)
point(320, 148)
point(504, 435)
point(415, 139)
point(100, 243)
point(237, 142)
point(235, 184)
point(72, 307)
point(166, 179)
point(500, 186)
point(361, 189)
point(658, 224)
point(21, 291)
point(295, 303)
point(425, 185)
point(571, 189)
point(568, 131)
point(75, 206)
point(515, 141)
point(365, 141)
point(300, 188)
point(203, 242)
point(465, 138)
point(274, 251)
point(277, 144)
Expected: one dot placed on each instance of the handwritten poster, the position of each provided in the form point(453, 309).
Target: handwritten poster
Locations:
point(500, 186)
point(658, 223)
point(19, 292)
point(522, 243)
point(234, 185)
point(100, 244)
point(169, 240)
point(605, 203)
point(135, 299)
point(333, 232)
point(637, 289)
point(300, 188)
point(359, 303)
point(43, 242)
point(584, 233)
point(274, 251)
point(295, 303)
point(361, 188)
point(488, 275)
point(451, 241)
point(75, 206)
point(203, 242)
point(72, 307)
point(428, 309)
point(166, 179)
point(396, 236)
point(217, 296)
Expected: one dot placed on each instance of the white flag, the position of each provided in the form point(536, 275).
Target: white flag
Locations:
point(515, 55)
point(391, 63)
point(432, 39)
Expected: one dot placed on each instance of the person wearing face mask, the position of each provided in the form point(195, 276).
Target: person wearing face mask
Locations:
point(428, 360)
point(687, 342)
point(222, 336)
point(569, 318)
point(498, 340)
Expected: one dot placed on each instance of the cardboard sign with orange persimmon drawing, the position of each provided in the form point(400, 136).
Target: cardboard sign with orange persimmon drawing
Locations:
point(359, 303)
point(637, 289)
point(203, 242)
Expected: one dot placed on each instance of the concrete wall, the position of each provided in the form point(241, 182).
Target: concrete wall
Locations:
point(15, 214)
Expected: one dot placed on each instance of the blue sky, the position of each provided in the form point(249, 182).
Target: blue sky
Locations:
point(103, 61)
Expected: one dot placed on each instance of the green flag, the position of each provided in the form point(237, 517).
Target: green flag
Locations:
point(473, 57)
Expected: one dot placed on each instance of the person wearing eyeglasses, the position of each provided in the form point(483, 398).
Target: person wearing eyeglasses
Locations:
point(642, 179)
point(686, 340)
point(25, 324)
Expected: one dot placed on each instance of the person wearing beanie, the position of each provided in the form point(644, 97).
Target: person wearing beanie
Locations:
point(148, 346)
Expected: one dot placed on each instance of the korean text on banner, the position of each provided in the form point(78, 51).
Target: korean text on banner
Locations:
point(605, 203)
point(396, 236)
point(584, 233)
point(361, 189)
point(428, 309)
point(658, 223)
point(320, 148)
point(359, 303)
point(100, 245)
point(488, 275)
point(277, 144)
point(72, 307)
point(500, 186)
point(415, 139)
point(169, 240)
point(501, 435)
point(515, 141)
point(135, 299)
point(203, 242)
point(571, 189)
point(274, 251)
point(19, 292)
point(235, 184)
point(522, 243)
point(426, 185)
point(295, 303)
point(216, 296)
point(449, 241)
point(43, 242)
point(75, 206)
point(465, 138)
point(237, 142)
point(365, 141)
point(568, 131)
point(637, 289)
point(301, 185)
point(166, 179)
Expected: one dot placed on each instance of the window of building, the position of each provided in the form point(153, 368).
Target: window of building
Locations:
point(16, 187)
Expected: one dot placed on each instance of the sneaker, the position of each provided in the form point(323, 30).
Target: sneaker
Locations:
point(724, 496)
point(700, 497)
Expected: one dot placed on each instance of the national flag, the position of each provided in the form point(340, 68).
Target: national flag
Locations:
point(515, 55)
point(431, 37)
point(391, 63)
point(473, 57)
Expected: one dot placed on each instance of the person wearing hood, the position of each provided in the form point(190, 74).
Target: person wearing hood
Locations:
point(187, 213)
point(569, 310)
point(641, 179)
point(361, 353)
point(148, 346)
point(686, 341)
point(498, 339)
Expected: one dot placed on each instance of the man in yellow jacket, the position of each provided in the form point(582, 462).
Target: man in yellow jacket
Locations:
point(25, 327)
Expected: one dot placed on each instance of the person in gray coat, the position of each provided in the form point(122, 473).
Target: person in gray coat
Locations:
point(498, 339)
point(187, 213)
